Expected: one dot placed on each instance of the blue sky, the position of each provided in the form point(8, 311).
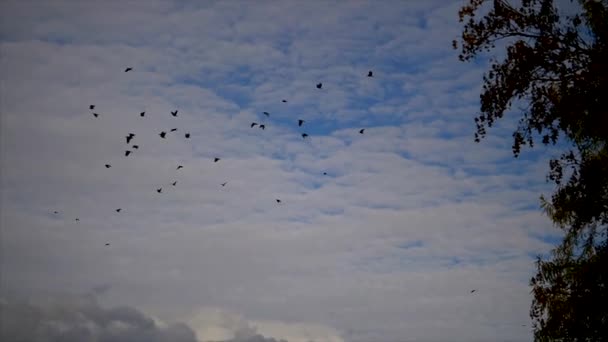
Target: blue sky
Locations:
point(410, 217)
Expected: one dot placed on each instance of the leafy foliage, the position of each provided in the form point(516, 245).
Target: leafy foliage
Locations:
point(557, 66)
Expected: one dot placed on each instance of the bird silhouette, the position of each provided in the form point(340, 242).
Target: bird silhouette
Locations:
point(128, 69)
point(187, 135)
point(162, 134)
point(284, 101)
point(319, 85)
point(108, 166)
point(127, 153)
point(107, 244)
point(91, 107)
point(304, 135)
point(215, 160)
point(159, 190)
point(135, 146)
point(77, 219)
point(262, 126)
point(179, 167)
point(278, 200)
point(268, 114)
point(142, 114)
point(473, 291)
point(174, 183)
point(224, 184)
point(95, 114)
point(173, 129)
point(130, 137)
point(324, 173)
point(118, 210)
point(300, 122)
point(55, 212)
point(361, 131)
point(174, 113)
point(370, 74)
point(253, 124)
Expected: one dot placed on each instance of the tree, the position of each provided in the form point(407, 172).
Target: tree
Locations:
point(555, 65)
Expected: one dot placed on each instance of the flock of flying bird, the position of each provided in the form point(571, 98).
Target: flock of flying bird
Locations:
point(163, 135)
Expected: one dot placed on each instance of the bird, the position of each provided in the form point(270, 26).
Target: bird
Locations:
point(304, 135)
point(174, 113)
point(268, 114)
point(55, 212)
point(179, 167)
point(76, 219)
point(253, 124)
point(187, 135)
point(95, 114)
point(319, 85)
point(262, 126)
point(300, 122)
point(224, 184)
point(142, 114)
point(362, 130)
point(128, 69)
point(129, 137)
point(324, 173)
point(107, 244)
point(127, 153)
point(284, 101)
point(216, 160)
point(173, 129)
point(108, 166)
point(473, 291)
point(91, 107)
point(162, 134)
point(118, 210)
point(159, 190)
point(370, 74)
point(135, 146)
point(278, 200)
point(174, 183)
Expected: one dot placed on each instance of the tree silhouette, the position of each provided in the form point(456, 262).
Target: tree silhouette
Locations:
point(555, 65)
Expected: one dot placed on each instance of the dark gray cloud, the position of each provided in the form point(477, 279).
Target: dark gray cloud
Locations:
point(83, 320)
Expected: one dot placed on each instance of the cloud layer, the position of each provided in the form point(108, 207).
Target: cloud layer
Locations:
point(378, 237)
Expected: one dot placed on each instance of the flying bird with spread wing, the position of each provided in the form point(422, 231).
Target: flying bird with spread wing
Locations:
point(319, 85)
point(174, 113)
point(108, 166)
point(107, 244)
point(128, 69)
point(370, 74)
point(473, 290)
point(300, 122)
point(55, 212)
point(91, 107)
point(163, 134)
point(159, 190)
point(127, 153)
point(224, 184)
point(215, 160)
point(253, 124)
point(361, 131)
point(142, 114)
point(118, 210)
point(284, 101)
point(278, 200)
point(135, 146)
point(174, 183)
point(95, 114)
point(304, 135)
point(179, 167)
point(187, 135)
point(130, 137)
point(268, 114)
point(262, 126)
point(173, 129)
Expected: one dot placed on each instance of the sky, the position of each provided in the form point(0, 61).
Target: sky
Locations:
point(386, 246)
